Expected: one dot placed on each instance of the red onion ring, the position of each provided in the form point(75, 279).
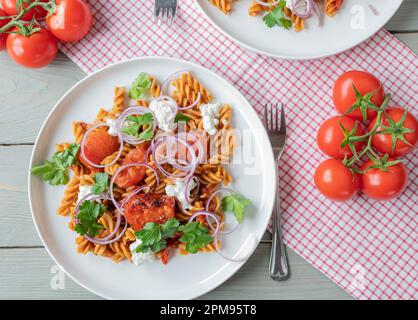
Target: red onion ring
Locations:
point(200, 151)
point(128, 112)
point(121, 168)
point(319, 11)
point(187, 170)
point(215, 242)
point(207, 214)
point(167, 82)
point(107, 239)
point(305, 5)
point(83, 141)
point(188, 190)
point(207, 209)
point(267, 4)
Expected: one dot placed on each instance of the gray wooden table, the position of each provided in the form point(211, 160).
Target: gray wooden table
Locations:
point(26, 270)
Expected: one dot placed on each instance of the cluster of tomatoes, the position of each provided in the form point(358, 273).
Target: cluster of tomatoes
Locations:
point(365, 141)
point(29, 43)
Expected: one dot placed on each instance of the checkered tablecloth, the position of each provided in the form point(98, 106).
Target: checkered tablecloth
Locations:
point(368, 248)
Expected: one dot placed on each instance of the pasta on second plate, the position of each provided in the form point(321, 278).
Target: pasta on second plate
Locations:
point(285, 13)
point(145, 180)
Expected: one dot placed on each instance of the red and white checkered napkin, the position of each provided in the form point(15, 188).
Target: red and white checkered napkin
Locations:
point(368, 248)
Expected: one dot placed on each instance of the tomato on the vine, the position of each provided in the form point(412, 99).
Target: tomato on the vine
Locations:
point(37, 12)
point(3, 36)
point(335, 181)
point(384, 183)
point(369, 92)
point(333, 137)
point(71, 20)
point(399, 132)
point(35, 50)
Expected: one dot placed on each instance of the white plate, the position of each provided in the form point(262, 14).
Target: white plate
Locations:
point(314, 42)
point(184, 277)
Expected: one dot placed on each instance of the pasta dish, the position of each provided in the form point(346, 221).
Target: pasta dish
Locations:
point(286, 13)
point(147, 177)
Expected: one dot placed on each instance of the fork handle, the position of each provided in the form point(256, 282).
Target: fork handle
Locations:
point(279, 268)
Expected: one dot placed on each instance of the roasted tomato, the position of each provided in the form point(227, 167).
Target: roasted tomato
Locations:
point(98, 145)
point(335, 181)
point(149, 207)
point(133, 175)
point(345, 97)
point(401, 128)
point(330, 136)
point(385, 184)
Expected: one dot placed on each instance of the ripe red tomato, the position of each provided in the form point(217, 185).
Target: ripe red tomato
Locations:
point(71, 20)
point(383, 141)
point(34, 51)
point(133, 175)
point(344, 96)
point(98, 145)
point(330, 137)
point(335, 181)
point(3, 36)
point(384, 185)
point(10, 7)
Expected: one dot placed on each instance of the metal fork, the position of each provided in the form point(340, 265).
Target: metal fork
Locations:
point(165, 11)
point(279, 269)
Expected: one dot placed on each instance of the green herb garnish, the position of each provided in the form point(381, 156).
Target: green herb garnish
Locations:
point(101, 183)
point(181, 117)
point(140, 86)
point(235, 203)
point(135, 124)
point(89, 212)
point(277, 17)
point(153, 236)
point(55, 170)
point(195, 236)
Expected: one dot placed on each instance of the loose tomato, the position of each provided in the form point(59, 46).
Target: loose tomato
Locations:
point(344, 96)
point(384, 185)
point(71, 20)
point(135, 174)
point(401, 127)
point(37, 12)
point(149, 207)
point(34, 51)
point(335, 181)
point(330, 136)
point(98, 145)
point(3, 36)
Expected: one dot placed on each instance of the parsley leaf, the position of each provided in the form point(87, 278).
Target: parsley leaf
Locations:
point(101, 184)
point(235, 203)
point(55, 170)
point(135, 124)
point(153, 236)
point(195, 236)
point(69, 156)
point(140, 86)
point(89, 212)
point(181, 117)
point(277, 17)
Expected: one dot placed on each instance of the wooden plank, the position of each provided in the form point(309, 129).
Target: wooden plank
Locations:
point(27, 95)
point(34, 92)
point(15, 217)
point(32, 267)
point(405, 19)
